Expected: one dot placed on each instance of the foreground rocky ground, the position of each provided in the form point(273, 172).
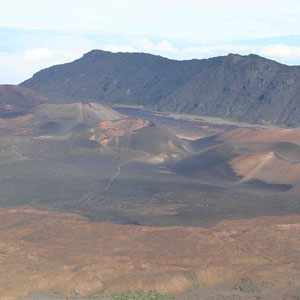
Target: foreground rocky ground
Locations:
point(43, 251)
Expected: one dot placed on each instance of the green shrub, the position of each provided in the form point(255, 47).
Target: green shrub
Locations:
point(243, 288)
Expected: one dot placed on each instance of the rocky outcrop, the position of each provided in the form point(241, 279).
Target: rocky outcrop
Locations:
point(108, 130)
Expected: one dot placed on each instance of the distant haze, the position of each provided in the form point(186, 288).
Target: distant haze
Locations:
point(35, 34)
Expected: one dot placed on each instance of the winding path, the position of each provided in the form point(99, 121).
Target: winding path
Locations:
point(113, 177)
point(116, 174)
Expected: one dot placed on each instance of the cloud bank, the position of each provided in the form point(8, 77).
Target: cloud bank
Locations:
point(26, 51)
point(284, 51)
point(38, 54)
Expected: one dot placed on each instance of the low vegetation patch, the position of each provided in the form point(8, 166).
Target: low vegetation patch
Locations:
point(135, 295)
point(243, 288)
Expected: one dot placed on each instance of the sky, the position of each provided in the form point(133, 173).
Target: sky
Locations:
point(36, 34)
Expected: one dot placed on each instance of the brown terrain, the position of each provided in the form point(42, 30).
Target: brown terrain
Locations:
point(58, 118)
point(268, 167)
point(274, 157)
point(137, 134)
point(94, 199)
point(173, 215)
point(184, 126)
point(42, 251)
point(260, 135)
point(108, 130)
point(15, 99)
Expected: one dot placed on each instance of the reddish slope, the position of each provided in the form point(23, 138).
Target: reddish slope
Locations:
point(268, 167)
point(62, 117)
point(138, 134)
point(17, 99)
point(40, 251)
point(108, 130)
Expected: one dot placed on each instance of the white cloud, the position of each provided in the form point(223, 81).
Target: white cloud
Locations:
point(146, 44)
point(208, 49)
point(16, 67)
point(281, 51)
point(164, 45)
point(119, 48)
point(38, 54)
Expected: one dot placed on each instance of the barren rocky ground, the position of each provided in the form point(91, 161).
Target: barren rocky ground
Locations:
point(43, 251)
point(92, 200)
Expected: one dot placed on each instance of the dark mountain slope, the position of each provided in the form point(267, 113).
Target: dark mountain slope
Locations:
point(250, 89)
point(122, 77)
point(244, 88)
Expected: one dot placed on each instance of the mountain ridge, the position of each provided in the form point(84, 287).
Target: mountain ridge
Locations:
point(249, 88)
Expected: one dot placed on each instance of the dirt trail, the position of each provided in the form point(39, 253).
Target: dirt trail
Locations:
point(116, 174)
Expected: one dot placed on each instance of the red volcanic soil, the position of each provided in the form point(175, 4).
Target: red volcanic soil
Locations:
point(42, 251)
point(16, 125)
point(107, 130)
point(261, 135)
point(14, 98)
